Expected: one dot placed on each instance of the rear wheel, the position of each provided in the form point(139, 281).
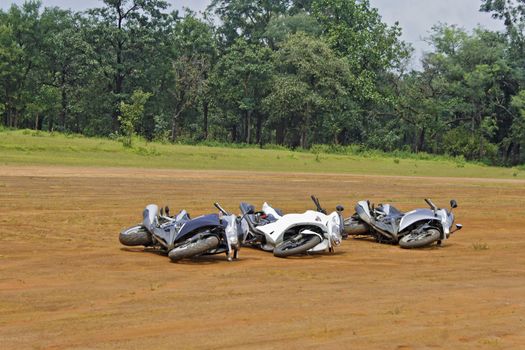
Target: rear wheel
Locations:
point(135, 235)
point(418, 240)
point(296, 245)
point(354, 227)
point(193, 248)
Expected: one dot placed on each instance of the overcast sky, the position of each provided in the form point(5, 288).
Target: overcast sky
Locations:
point(416, 17)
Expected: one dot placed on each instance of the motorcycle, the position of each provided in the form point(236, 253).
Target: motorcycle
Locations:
point(414, 229)
point(291, 234)
point(182, 237)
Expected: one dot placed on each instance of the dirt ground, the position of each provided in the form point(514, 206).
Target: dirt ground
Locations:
point(66, 282)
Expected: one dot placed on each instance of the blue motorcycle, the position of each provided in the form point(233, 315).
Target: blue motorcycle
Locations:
point(183, 237)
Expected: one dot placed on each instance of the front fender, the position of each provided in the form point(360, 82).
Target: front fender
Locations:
point(312, 233)
point(198, 224)
point(419, 215)
point(275, 234)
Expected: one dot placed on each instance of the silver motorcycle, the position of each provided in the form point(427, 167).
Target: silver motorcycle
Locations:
point(414, 229)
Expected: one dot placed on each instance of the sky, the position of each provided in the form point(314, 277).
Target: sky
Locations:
point(416, 17)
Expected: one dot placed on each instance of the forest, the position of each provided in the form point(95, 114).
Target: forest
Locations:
point(293, 73)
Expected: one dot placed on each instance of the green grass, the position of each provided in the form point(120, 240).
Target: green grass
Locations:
point(30, 147)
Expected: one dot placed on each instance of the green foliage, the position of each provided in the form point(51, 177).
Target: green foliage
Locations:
point(288, 73)
point(309, 83)
point(130, 114)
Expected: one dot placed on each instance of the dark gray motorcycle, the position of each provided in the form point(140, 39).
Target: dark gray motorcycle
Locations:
point(182, 237)
point(414, 229)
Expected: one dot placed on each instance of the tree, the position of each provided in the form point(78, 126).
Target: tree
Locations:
point(355, 30)
point(194, 52)
point(247, 19)
point(241, 80)
point(130, 114)
point(310, 81)
point(121, 33)
point(20, 39)
point(281, 26)
point(65, 62)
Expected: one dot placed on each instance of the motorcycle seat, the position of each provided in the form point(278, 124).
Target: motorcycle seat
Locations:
point(389, 211)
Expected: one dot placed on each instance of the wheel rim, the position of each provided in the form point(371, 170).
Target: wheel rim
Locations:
point(295, 243)
point(413, 237)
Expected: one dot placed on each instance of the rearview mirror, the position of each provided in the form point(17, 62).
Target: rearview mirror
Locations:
point(339, 208)
point(453, 204)
point(459, 227)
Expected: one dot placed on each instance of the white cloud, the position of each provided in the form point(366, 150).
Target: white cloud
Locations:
point(416, 17)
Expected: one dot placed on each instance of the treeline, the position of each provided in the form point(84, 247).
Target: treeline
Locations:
point(289, 72)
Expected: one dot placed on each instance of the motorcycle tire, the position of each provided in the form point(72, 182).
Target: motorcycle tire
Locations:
point(291, 247)
point(192, 249)
point(423, 239)
point(135, 235)
point(353, 227)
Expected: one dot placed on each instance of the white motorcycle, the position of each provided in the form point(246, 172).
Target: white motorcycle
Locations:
point(290, 234)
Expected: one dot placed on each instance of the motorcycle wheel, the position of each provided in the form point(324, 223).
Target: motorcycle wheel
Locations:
point(425, 238)
point(353, 227)
point(135, 235)
point(192, 249)
point(293, 247)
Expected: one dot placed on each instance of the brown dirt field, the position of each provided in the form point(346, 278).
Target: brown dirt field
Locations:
point(66, 282)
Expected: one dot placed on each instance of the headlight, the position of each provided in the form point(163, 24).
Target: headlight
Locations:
point(231, 230)
point(334, 227)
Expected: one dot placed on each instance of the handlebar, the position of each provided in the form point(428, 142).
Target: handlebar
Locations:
point(431, 204)
point(221, 209)
point(317, 204)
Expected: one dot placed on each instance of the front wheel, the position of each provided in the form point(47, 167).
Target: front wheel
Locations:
point(135, 235)
point(194, 248)
point(418, 240)
point(295, 246)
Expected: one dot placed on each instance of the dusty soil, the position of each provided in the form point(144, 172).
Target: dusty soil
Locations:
point(66, 282)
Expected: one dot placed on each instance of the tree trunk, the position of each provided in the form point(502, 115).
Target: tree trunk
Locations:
point(280, 133)
point(63, 111)
point(174, 126)
point(517, 154)
point(50, 123)
point(481, 146)
point(234, 133)
point(258, 132)
point(205, 104)
point(421, 140)
point(303, 138)
point(36, 121)
point(508, 153)
point(248, 126)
